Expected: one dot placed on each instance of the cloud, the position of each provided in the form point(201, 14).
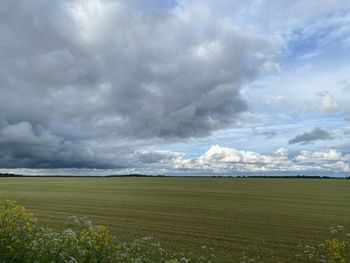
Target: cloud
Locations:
point(322, 157)
point(327, 103)
point(165, 159)
point(269, 134)
point(219, 158)
point(309, 137)
point(97, 74)
point(98, 83)
point(344, 84)
point(274, 100)
point(267, 131)
point(226, 160)
point(216, 160)
point(331, 160)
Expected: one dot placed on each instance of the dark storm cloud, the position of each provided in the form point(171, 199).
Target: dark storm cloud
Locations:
point(313, 135)
point(88, 83)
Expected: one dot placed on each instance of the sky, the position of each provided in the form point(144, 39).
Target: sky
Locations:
point(188, 87)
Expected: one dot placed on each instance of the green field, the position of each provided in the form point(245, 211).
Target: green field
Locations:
point(232, 215)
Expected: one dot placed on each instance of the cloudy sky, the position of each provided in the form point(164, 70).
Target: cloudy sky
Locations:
point(175, 87)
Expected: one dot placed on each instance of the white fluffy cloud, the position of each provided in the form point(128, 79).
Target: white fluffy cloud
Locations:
point(322, 157)
point(327, 103)
point(331, 160)
point(219, 158)
point(225, 160)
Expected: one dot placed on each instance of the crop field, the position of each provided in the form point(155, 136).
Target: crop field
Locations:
point(259, 217)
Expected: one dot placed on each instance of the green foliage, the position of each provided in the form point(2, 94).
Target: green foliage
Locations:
point(335, 249)
point(23, 239)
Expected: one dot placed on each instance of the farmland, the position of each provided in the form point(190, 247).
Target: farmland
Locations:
point(269, 217)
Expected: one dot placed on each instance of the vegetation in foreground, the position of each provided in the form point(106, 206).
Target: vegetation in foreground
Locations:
point(335, 249)
point(23, 239)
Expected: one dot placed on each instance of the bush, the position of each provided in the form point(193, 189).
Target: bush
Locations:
point(335, 249)
point(23, 239)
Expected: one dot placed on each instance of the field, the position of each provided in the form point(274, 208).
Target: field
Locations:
point(269, 217)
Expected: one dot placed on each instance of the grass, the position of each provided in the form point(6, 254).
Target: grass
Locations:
point(269, 217)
